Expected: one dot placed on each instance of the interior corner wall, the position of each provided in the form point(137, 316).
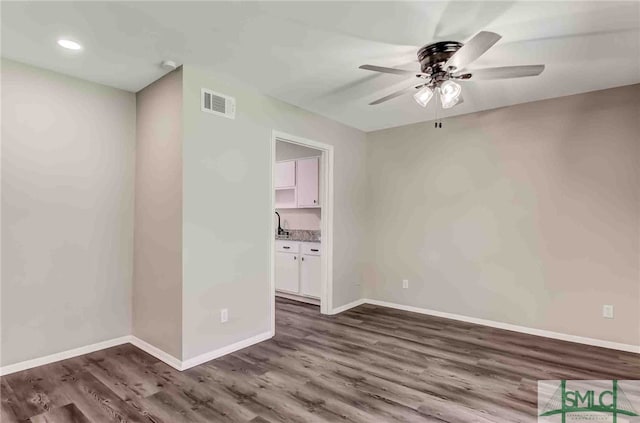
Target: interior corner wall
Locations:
point(157, 281)
point(227, 209)
point(68, 153)
point(528, 215)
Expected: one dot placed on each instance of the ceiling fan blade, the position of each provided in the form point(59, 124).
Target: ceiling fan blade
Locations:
point(403, 91)
point(502, 72)
point(475, 48)
point(388, 70)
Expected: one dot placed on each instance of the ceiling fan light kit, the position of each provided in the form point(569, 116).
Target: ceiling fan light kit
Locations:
point(449, 94)
point(423, 96)
point(443, 63)
point(449, 104)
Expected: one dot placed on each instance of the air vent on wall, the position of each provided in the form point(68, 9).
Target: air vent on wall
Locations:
point(218, 104)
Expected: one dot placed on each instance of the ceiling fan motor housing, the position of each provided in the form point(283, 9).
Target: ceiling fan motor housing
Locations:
point(432, 57)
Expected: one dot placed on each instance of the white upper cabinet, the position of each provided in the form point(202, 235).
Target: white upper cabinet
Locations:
point(285, 174)
point(307, 183)
point(297, 183)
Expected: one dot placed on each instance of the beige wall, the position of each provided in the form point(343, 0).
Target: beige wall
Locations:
point(67, 212)
point(527, 215)
point(157, 286)
point(226, 180)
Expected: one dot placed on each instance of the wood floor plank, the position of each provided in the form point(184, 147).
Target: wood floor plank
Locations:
point(35, 393)
point(98, 402)
point(8, 403)
point(368, 364)
point(123, 376)
point(66, 414)
point(171, 405)
point(274, 404)
point(205, 399)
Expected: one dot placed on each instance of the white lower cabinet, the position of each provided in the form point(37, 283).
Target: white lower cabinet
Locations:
point(297, 268)
point(287, 272)
point(310, 276)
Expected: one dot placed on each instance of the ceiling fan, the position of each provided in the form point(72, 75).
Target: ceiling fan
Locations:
point(445, 62)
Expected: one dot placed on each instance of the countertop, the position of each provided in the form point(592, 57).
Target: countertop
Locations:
point(300, 235)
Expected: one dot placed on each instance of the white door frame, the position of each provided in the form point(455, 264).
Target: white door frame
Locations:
point(326, 221)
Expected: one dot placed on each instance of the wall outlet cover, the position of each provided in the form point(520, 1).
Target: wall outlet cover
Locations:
point(405, 283)
point(224, 315)
point(607, 311)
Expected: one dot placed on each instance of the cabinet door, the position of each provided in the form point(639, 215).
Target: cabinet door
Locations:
point(287, 276)
point(310, 276)
point(308, 182)
point(285, 174)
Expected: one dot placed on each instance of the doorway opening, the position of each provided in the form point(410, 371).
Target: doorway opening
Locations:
point(302, 226)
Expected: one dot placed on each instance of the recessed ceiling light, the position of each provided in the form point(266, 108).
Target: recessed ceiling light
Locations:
point(68, 44)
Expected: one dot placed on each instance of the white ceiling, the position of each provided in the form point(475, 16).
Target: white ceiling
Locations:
point(308, 53)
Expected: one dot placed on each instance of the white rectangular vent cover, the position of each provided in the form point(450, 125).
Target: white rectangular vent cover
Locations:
point(218, 104)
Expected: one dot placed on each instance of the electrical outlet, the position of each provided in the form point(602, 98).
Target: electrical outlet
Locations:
point(224, 315)
point(607, 311)
point(405, 283)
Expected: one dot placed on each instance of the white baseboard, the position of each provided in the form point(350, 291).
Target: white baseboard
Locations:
point(144, 346)
point(203, 358)
point(508, 326)
point(156, 352)
point(41, 361)
point(300, 298)
point(346, 307)
point(208, 356)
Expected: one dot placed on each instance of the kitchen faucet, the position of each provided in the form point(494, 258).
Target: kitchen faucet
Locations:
point(280, 230)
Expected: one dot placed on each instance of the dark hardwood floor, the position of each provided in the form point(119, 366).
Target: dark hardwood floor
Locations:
point(369, 364)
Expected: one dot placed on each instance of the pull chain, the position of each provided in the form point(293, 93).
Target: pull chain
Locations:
point(435, 94)
point(437, 124)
